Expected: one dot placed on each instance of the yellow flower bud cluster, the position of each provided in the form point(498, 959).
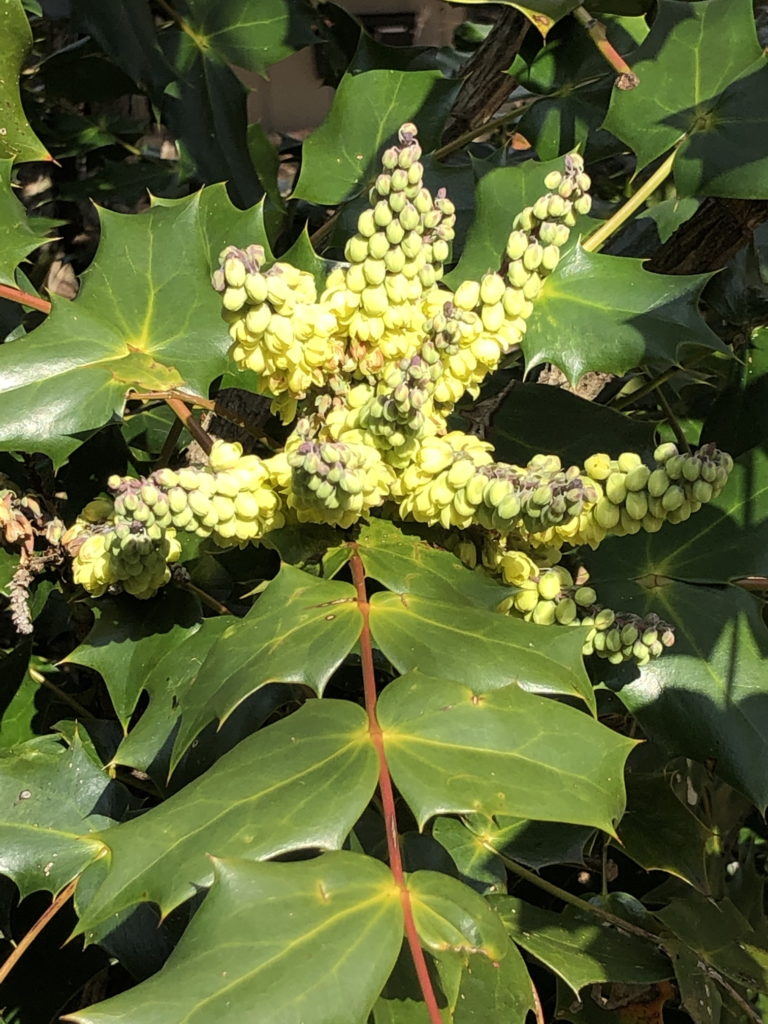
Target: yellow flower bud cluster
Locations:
point(442, 483)
point(334, 482)
point(114, 552)
point(395, 258)
point(278, 328)
point(637, 497)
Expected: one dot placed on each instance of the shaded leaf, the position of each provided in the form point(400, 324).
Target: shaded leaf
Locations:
point(53, 799)
point(538, 418)
point(494, 990)
point(478, 865)
point(452, 749)
point(707, 697)
point(738, 420)
point(154, 325)
point(129, 639)
point(580, 949)
point(699, 994)
point(485, 650)
point(701, 74)
point(405, 563)
point(17, 140)
point(297, 784)
point(298, 631)
point(659, 832)
point(720, 936)
point(20, 234)
point(535, 843)
point(341, 155)
point(17, 703)
point(606, 313)
point(339, 916)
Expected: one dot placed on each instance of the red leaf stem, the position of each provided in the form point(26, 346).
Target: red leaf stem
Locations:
point(387, 792)
point(24, 298)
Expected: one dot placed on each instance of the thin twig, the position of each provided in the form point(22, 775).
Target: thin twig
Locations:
point(206, 598)
point(24, 298)
point(18, 951)
point(673, 421)
point(596, 31)
point(387, 792)
point(189, 421)
point(487, 126)
point(64, 697)
point(604, 232)
point(169, 445)
point(623, 401)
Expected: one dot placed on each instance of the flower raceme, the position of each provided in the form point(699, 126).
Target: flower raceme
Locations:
point(367, 369)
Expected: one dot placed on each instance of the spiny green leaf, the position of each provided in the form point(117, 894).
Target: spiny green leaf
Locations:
point(342, 154)
point(538, 418)
point(19, 235)
point(129, 639)
point(578, 948)
point(298, 631)
point(17, 140)
point(484, 649)
point(491, 990)
point(738, 420)
point(408, 564)
point(297, 784)
point(720, 936)
point(452, 918)
point(20, 692)
point(701, 73)
point(479, 866)
point(455, 749)
point(337, 920)
point(659, 832)
point(153, 325)
point(705, 698)
point(541, 13)
point(535, 843)
point(606, 313)
point(53, 800)
point(250, 37)
point(224, 224)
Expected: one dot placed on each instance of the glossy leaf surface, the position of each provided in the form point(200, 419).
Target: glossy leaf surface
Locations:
point(339, 916)
point(17, 140)
point(300, 783)
point(454, 749)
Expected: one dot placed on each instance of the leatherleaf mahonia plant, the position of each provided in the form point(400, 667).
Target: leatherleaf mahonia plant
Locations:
point(368, 373)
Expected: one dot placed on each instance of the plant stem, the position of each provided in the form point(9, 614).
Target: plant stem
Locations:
point(673, 421)
point(537, 1008)
point(604, 232)
point(24, 298)
point(18, 951)
point(596, 32)
point(206, 598)
point(189, 421)
point(481, 129)
point(387, 791)
point(169, 445)
point(574, 901)
point(77, 707)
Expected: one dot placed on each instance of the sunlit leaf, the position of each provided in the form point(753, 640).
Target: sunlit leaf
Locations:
point(298, 784)
point(17, 140)
point(405, 563)
point(607, 313)
point(298, 631)
point(451, 917)
point(53, 800)
point(455, 749)
point(339, 917)
point(19, 235)
point(153, 325)
point(541, 13)
point(368, 108)
point(701, 75)
point(484, 649)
